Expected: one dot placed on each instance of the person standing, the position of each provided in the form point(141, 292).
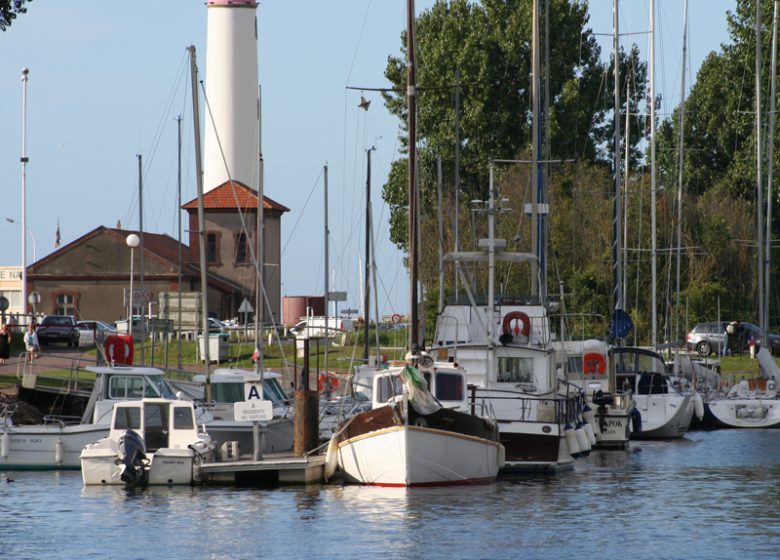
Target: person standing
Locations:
point(5, 344)
point(31, 342)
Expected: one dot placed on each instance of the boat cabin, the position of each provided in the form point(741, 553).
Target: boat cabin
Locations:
point(162, 423)
point(118, 384)
point(447, 384)
point(641, 371)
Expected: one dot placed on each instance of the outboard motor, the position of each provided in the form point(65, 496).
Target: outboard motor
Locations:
point(132, 451)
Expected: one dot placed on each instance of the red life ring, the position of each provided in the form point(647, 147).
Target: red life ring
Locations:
point(119, 349)
point(514, 316)
point(594, 363)
point(334, 382)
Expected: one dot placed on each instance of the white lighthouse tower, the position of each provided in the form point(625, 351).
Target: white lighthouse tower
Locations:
point(231, 112)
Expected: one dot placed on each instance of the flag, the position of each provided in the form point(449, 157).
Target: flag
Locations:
point(57, 235)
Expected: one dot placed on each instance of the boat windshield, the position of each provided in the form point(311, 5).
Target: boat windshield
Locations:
point(272, 391)
point(638, 362)
point(127, 387)
point(449, 387)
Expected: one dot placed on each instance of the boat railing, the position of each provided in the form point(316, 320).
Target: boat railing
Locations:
point(543, 409)
point(59, 372)
point(62, 420)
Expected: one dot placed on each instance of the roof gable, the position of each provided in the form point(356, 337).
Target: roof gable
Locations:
point(232, 195)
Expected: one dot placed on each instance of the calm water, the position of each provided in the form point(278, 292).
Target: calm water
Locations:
point(713, 495)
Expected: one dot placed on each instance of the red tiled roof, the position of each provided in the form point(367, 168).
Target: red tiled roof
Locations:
point(233, 195)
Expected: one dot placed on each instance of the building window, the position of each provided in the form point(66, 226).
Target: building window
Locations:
point(242, 249)
point(66, 305)
point(212, 252)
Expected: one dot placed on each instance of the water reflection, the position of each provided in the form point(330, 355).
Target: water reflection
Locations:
point(710, 495)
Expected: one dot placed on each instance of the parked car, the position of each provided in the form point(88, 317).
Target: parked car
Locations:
point(707, 338)
point(89, 330)
point(58, 328)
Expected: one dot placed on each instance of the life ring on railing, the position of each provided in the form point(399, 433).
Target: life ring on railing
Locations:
point(334, 382)
point(515, 316)
point(594, 363)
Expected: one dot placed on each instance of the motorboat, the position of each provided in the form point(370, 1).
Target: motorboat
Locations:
point(666, 411)
point(421, 431)
point(151, 441)
point(513, 368)
point(228, 386)
point(57, 441)
point(750, 407)
point(610, 410)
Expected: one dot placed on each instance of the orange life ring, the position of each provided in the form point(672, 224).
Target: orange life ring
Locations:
point(514, 316)
point(334, 382)
point(594, 363)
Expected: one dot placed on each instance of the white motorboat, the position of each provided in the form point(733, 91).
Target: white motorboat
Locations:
point(610, 411)
point(151, 441)
point(228, 388)
point(666, 411)
point(514, 371)
point(410, 438)
point(57, 443)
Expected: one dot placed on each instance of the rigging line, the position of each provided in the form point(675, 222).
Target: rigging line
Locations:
point(305, 204)
point(163, 123)
point(241, 214)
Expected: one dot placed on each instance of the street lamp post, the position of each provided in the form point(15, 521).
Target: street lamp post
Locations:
point(30, 233)
point(132, 241)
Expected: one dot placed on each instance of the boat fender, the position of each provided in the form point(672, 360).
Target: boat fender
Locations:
point(698, 406)
point(590, 418)
point(571, 441)
point(5, 445)
point(636, 421)
point(58, 451)
point(501, 456)
point(331, 459)
point(582, 439)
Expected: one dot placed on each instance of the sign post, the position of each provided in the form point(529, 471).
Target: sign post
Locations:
point(254, 409)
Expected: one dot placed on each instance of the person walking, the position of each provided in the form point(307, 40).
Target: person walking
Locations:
point(730, 341)
point(31, 342)
point(5, 344)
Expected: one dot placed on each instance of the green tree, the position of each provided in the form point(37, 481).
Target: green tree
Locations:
point(9, 9)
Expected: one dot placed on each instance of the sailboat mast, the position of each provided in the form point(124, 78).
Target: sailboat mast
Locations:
point(770, 170)
point(617, 264)
point(653, 192)
point(367, 285)
point(411, 98)
point(536, 178)
point(201, 222)
point(179, 275)
point(326, 234)
point(759, 158)
point(680, 162)
point(260, 241)
point(141, 245)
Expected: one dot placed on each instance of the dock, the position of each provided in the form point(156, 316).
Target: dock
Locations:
point(273, 468)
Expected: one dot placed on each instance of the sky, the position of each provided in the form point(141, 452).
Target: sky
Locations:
point(108, 79)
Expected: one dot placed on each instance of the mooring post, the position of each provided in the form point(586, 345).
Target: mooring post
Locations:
point(306, 409)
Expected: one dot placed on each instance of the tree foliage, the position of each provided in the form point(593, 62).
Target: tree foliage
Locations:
point(9, 9)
